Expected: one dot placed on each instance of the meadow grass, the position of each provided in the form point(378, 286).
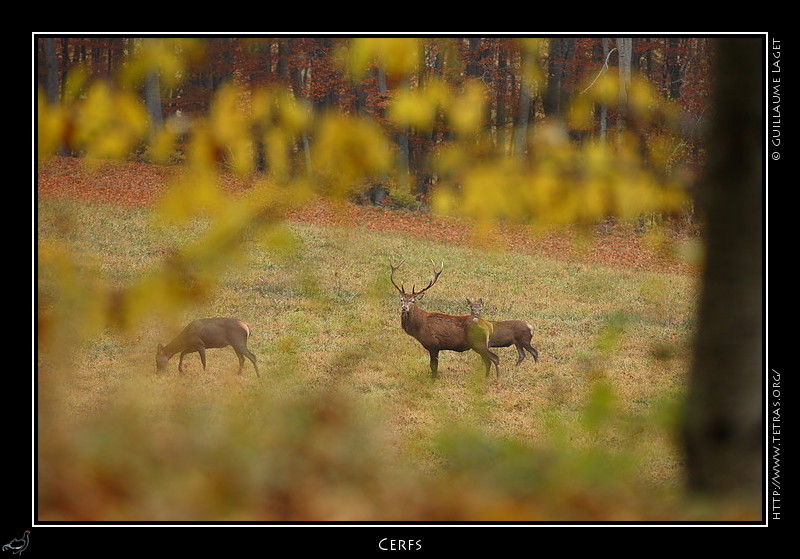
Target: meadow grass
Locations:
point(345, 422)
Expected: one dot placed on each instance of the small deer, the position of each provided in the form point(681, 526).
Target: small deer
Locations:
point(508, 332)
point(443, 332)
point(207, 333)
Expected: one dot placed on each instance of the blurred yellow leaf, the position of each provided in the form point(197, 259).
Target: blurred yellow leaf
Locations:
point(452, 159)
point(76, 290)
point(295, 115)
point(443, 201)
point(594, 200)
point(398, 56)
point(201, 154)
point(348, 150)
point(597, 159)
point(277, 146)
point(467, 111)
point(226, 119)
point(275, 107)
point(263, 106)
point(418, 108)
point(108, 123)
point(229, 125)
point(165, 57)
point(581, 114)
point(50, 126)
point(642, 98)
point(75, 82)
point(411, 108)
point(241, 156)
point(531, 67)
point(163, 145)
point(190, 194)
point(606, 89)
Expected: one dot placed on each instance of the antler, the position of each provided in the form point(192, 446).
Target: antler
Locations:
point(400, 289)
point(435, 277)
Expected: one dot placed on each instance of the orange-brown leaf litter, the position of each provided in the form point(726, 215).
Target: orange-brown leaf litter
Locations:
point(140, 184)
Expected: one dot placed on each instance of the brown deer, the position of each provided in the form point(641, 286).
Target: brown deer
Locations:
point(207, 333)
point(508, 332)
point(443, 332)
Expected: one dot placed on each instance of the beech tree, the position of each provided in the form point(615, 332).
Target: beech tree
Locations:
point(625, 49)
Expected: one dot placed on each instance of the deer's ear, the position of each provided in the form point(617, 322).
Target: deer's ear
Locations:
point(480, 300)
point(420, 296)
point(469, 302)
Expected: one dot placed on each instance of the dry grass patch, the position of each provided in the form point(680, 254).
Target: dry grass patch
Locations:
point(345, 422)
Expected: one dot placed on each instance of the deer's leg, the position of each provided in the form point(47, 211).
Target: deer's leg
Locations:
point(241, 359)
point(520, 354)
point(202, 351)
point(180, 361)
point(251, 356)
point(434, 362)
point(487, 362)
point(496, 360)
point(532, 351)
point(241, 354)
point(490, 357)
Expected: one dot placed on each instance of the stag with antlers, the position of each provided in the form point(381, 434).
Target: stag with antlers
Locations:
point(443, 332)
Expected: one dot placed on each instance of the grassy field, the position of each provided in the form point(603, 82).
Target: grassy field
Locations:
point(345, 422)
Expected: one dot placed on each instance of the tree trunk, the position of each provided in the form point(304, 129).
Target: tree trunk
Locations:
point(604, 107)
point(282, 67)
point(723, 425)
point(294, 76)
point(500, 108)
point(625, 50)
point(556, 97)
point(520, 138)
point(673, 68)
point(51, 68)
point(152, 90)
point(419, 151)
point(473, 68)
point(378, 191)
point(66, 63)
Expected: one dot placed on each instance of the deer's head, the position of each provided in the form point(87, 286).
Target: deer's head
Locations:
point(475, 307)
point(408, 300)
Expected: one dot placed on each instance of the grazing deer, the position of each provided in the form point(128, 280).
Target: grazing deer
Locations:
point(207, 333)
point(439, 332)
point(508, 332)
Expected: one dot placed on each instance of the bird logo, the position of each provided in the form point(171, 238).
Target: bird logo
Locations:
point(18, 545)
